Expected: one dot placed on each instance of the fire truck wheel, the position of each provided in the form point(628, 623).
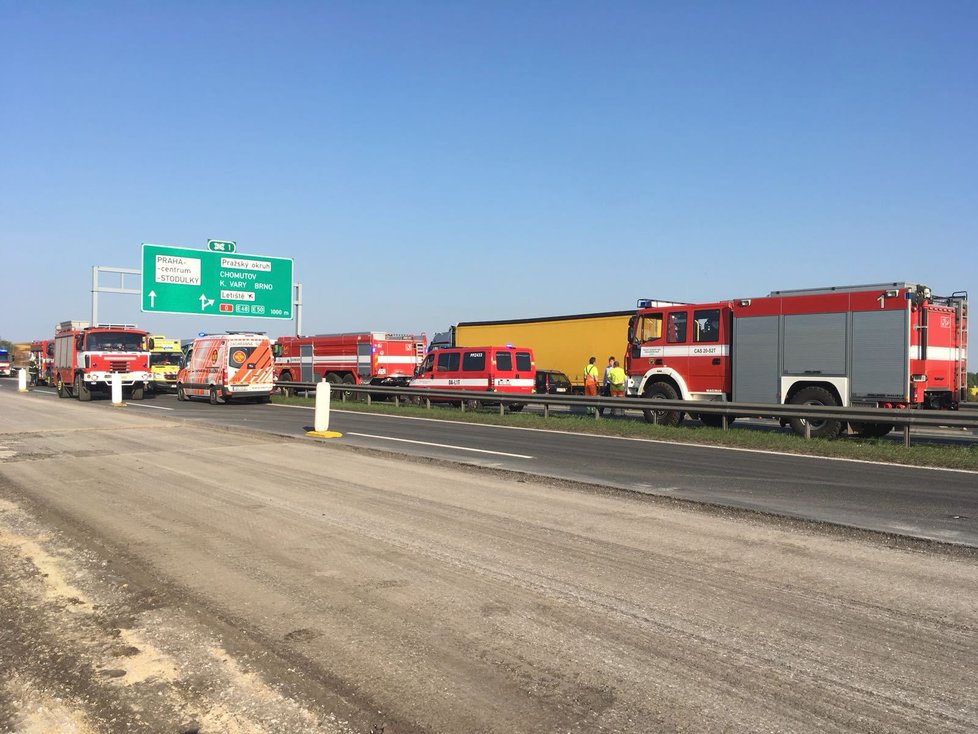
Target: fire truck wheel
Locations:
point(872, 430)
point(286, 377)
point(82, 390)
point(213, 396)
point(63, 389)
point(663, 391)
point(181, 393)
point(138, 393)
point(819, 428)
point(714, 421)
point(515, 407)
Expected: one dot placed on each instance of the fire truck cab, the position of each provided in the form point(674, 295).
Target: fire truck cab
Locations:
point(886, 345)
point(86, 358)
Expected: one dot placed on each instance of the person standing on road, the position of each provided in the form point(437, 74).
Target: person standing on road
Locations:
point(606, 385)
point(616, 380)
point(591, 381)
point(616, 383)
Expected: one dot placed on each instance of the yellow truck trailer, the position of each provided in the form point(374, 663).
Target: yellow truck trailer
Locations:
point(563, 343)
point(165, 360)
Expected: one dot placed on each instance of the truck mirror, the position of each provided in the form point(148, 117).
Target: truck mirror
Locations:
point(276, 350)
point(151, 344)
point(79, 339)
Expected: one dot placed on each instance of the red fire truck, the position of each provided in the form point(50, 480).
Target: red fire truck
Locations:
point(886, 345)
point(41, 366)
point(86, 357)
point(371, 357)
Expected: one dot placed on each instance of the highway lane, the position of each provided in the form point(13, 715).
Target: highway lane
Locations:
point(923, 503)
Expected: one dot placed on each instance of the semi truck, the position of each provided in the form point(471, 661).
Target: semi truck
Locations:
point(559, 343)
point(890, 345)
point(86, 359)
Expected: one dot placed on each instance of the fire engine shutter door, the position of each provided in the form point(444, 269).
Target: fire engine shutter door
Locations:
point(755, 359)
point(305, 363)
point(363, 359)
point(815, 344)
point(879, 354)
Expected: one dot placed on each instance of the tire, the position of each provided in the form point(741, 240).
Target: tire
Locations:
point(714, 421)
point(818, 428)
point(138, 393)
point(286, 391)
point(63, 391)
point(516, 407)
point(82, 390)
point(872, 430)
point(663, 391)
point(213, 396)
point(263, 399)
point(349, 379)
point(181, 393)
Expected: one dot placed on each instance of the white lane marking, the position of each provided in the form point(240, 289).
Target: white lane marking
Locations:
point(787, 454)
point(440, 445)
point(154, 407)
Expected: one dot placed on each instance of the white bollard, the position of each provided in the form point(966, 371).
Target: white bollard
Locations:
point(22, 379)
point(116, 389)
point(321, 419)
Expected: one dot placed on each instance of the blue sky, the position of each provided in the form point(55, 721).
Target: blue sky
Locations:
point(429, 163)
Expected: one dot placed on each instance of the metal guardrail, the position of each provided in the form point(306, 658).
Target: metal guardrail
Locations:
point(898, 417)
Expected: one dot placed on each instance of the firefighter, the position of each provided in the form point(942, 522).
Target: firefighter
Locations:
point(591, 381)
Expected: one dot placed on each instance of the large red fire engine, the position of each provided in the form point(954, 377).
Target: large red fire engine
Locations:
point(887, 345)
point(371, 357)
point(86, 358)
point(41, 367)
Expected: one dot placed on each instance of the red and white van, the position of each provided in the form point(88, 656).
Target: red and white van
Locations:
point(480, 369)
point(224, 367)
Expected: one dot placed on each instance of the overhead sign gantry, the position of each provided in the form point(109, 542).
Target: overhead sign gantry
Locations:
point(216, 282)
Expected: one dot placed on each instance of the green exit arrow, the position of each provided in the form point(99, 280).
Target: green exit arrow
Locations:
point(220, 245)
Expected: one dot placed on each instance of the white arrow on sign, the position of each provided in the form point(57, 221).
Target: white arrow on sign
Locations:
point(152, 299)
point(205, 301)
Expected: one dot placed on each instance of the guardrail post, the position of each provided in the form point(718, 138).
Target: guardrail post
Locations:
point(546, 410)
point(427, 402)
point(726, 423)
point(808, 429)
point(906, 436)
point(461, 405)
point(502, 409)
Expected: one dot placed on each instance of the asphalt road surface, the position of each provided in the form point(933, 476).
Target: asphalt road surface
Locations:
point(164, 575)
point(918, 502)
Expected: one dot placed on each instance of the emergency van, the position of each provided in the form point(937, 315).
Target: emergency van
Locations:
point(224, 367)
point(480, 369)
point(165, 360)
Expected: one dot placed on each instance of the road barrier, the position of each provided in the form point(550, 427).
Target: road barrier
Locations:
point(898, 417)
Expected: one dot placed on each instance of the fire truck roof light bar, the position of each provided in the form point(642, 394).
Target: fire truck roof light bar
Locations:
point(113, 326)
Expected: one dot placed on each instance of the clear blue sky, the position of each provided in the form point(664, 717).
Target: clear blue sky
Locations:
point(433, 162)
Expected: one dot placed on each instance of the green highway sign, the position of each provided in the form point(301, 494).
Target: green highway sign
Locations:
point(221, 246)
point(209, 283)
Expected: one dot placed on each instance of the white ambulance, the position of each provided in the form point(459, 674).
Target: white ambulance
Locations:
point(236, 365)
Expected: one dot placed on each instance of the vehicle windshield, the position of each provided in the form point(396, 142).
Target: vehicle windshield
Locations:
point(114, 341)
point(559, 379)
point(164, 359)
point(4, 355)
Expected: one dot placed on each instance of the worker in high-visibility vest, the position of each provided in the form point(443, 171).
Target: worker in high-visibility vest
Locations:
point(591, 381)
